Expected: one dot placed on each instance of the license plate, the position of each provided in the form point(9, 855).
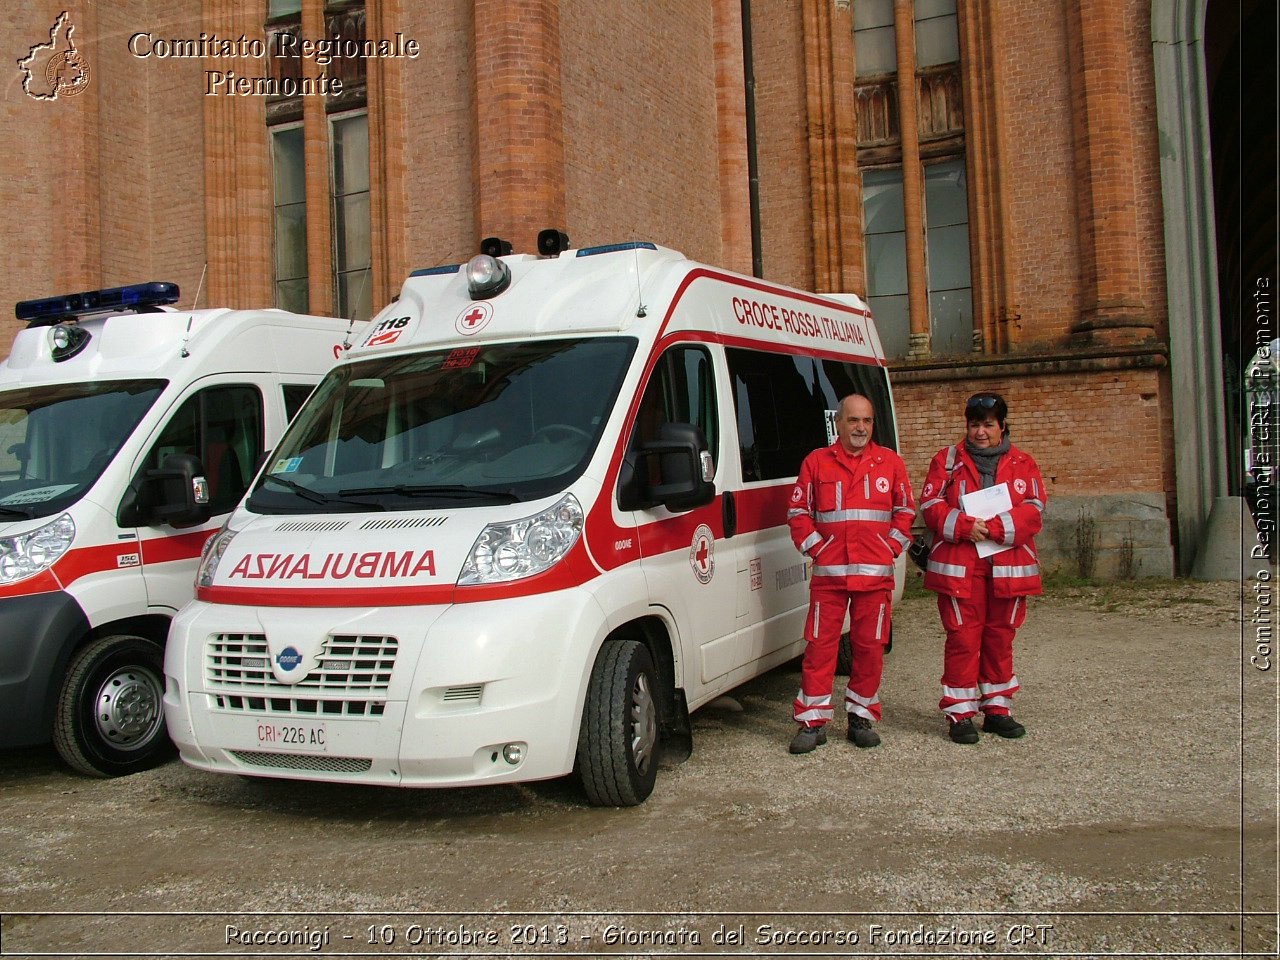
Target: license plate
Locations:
point(299, 737)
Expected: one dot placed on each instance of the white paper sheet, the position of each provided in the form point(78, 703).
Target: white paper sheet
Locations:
point(985, 504)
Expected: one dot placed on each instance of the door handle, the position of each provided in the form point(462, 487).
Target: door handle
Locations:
point(730, 509)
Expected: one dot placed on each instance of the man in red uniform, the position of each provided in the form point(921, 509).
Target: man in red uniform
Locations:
point(982, 600)
point(851, 513)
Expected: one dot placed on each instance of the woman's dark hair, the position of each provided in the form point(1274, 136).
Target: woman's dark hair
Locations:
point(982, 405)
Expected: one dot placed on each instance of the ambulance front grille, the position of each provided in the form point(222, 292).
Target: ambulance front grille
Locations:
point(297, 706)
point(240, 663)
point(293, 761)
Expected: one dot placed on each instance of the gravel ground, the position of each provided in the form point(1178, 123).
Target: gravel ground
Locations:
point(1137, 818)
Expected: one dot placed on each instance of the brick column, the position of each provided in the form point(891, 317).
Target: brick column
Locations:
point(386, 156)
point(996, 318)
point(1102, 123)
point(731, 136)
point(321, 296)
point(835, 184)
point(77, 239)
point(237, 174)
point(912, 181)
point(520, 116)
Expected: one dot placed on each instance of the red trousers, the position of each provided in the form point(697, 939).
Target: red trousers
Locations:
point(977, 668)
point(869, 614)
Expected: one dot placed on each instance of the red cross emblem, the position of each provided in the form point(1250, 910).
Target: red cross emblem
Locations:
point(702, 554)
point(473, 318)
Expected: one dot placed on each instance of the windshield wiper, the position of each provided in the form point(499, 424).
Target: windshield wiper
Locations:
point(454, 491)
point(11, 512)
point(315, 496)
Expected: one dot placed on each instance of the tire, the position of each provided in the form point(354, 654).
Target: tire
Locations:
point(110, 716)
point(844, 653)
point(618, 744)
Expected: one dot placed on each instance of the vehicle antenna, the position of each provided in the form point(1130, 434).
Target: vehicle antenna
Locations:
point(641, 309)
point(194, 306)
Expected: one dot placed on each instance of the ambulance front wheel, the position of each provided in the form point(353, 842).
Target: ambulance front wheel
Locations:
point(110, 715)
point(618, 743)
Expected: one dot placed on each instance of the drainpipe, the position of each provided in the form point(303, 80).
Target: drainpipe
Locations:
point(753, 171)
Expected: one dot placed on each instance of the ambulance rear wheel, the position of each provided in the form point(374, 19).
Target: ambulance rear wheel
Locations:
point(110, 714)
point(844, 653)
point(618, 744)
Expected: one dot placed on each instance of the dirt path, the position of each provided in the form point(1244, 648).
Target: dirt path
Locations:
point(1137, 816)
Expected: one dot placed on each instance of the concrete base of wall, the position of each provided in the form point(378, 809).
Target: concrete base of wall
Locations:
point(1230, 549)
point(1107, 537)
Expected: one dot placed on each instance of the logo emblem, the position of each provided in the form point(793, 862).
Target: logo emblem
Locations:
point(64, 69)
point(289, 659)
point(797, 494)
point(1020, 485)
point(882, 484)
point(702, 554)
point(473, 319)
point(928, 489)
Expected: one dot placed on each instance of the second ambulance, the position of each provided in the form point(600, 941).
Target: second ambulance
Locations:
point(535, 518)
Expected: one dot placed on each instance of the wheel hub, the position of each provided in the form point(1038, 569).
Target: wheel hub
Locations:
point(128, 708)
point(644, 724)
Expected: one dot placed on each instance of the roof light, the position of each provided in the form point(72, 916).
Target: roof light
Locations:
point(487, 277)
point(138, 297)
point(495, 247)
point(552, 242)
point(616, 247)
point(66, 340)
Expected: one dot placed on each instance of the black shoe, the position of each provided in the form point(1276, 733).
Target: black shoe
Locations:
point(808, 739)
point(861, 732)
point(1003, 725)
point(963, 732)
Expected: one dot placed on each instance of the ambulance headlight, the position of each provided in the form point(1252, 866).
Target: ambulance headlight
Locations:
point(211, 555)
point(29, 553)
point(487, 277)
point(523, 548)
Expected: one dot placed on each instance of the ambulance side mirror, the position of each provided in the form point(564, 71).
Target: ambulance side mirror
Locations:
point(676, 471)
point(176, 494)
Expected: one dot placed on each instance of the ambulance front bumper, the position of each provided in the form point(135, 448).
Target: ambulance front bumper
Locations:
point(442, 696)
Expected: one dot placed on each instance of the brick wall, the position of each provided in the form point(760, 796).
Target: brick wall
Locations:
point(640, 122)
point(1090, 432)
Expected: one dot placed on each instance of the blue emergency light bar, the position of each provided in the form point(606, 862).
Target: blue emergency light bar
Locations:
point(137, 297)
point(437, 271)
point(616, 247)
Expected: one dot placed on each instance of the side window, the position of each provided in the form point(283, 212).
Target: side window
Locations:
point(295, 395)
point(680, 390)
point(223, 427)
point(782, 402)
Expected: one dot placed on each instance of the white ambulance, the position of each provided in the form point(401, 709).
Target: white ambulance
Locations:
point(128, 431)
point(530, 522)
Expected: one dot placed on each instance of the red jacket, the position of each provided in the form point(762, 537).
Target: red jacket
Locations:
point(852, 515)
point(1015, 572)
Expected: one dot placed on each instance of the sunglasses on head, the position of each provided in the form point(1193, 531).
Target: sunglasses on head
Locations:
point(984, 401)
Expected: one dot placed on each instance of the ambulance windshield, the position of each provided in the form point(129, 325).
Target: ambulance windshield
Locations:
point(56, 439)
point(466, 426)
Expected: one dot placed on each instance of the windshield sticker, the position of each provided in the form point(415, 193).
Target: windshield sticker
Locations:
point(461, 358)
point(287, 466)
point(831, 425)
point(38, 495)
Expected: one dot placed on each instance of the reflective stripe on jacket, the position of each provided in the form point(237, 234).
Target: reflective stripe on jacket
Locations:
point(852, 515)
point(1015, 572)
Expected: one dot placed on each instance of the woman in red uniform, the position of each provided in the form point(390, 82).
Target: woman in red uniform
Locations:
point(982, 599)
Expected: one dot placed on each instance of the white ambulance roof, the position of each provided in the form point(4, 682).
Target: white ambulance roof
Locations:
point(173, 344)
point(628, 288)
